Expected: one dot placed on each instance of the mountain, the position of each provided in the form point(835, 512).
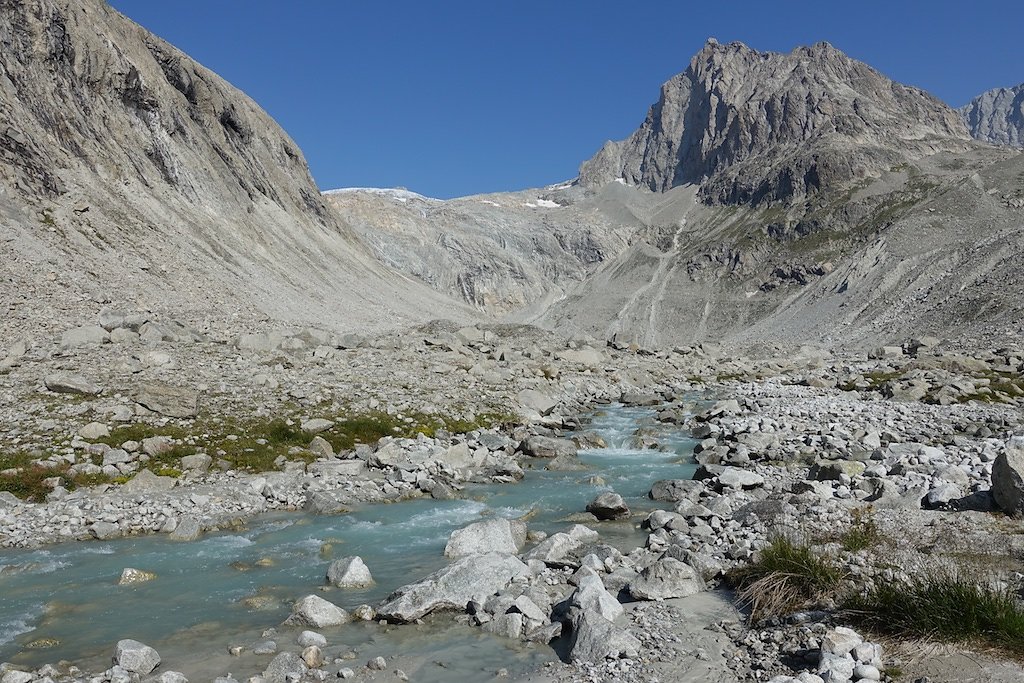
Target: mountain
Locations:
point(754, 127)
point(131, 174)
point(997, 116)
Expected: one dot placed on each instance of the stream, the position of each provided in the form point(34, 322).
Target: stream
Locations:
point(63, 601)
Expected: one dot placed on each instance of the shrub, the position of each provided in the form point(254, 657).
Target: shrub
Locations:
point(786, 576)
point(945, 607)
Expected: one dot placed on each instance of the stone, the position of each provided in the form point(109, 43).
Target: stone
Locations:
point(71, 384)
point(157, 445)
point(130, 575)
point(313, 656)
point(135, 657)
point(172, 677)
point(595, 639)
point(476, 577)
point(349, 572)
point(835, 668)
point(666, 578)
point(316, 425)
point(866, 672)
point(1008, 478)
point(189, 528)
point(307, 638)
point(675, 490)
point(321, 447)
point(286, 667)
point(547, 447)
point(498, 535)
point(147, 482)
point(592, 596)
point(840, 640)
point(608, 506)
point(104, 531)
point(316, 612)
point(736, 478)
point(535, 401)
point(15, 676)
point(93, 431)
point(199, 462)
point(168, 400)
point(83, 336)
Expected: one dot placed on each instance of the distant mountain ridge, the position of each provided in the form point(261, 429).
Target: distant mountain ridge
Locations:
point(997, 116)
point(755, 127)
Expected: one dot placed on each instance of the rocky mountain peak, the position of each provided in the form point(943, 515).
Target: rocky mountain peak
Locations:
point(754, 126)
point(997, 116)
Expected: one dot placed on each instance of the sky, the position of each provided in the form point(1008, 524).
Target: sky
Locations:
point(452, 97)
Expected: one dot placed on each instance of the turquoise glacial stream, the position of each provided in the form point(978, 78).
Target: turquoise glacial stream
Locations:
point(194, 610)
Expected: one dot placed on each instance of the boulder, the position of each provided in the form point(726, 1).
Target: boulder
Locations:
point(284, 668)
point(83, 336)
point(547, 447)
point(666, 578)
point(93, 431)
point(498, 535)
point(607, 506)
point(199, 461)
point(675, 490)
point(130, 575)
point(595, 639)
point(561, 549)
point(168, 400)
point(147, 482)
point(1008, 478)
point(591, 596)
point(189, 528)
point(135, 657)
point(316, 425)
point(476, 577)
point(61, 383)
point(316, 612)
point(349, 572)
point(537, 402)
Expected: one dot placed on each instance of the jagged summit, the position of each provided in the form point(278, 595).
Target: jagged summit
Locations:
point(754, 126)
point(997, 116)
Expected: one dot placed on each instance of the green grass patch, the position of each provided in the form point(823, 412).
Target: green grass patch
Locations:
point(786, 576)
point(862, 534)
point(141, 431)
point(25, 478)
point(944, 607)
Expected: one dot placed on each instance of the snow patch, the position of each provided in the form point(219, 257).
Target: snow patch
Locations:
point(543, 204)
point(621, 181)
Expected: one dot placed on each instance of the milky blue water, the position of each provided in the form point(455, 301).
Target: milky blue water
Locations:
point(200, 601)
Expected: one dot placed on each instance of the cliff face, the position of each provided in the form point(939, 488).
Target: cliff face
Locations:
point(997, 116)
point(130, 171)
point(753, 127)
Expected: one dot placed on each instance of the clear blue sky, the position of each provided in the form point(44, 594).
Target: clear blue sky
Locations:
point(456, 97)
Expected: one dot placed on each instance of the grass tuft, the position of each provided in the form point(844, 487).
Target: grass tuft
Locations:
point(786, 576)
point(862, 534)
point(944, 607)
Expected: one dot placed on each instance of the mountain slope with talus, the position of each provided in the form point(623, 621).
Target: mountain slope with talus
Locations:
point(131, 174)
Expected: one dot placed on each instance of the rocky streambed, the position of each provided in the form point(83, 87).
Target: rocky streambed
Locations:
point(600, 565)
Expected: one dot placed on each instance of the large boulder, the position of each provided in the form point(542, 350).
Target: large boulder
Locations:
point(476, 577)
point(1008, 478)
point(535, 401)
point(666, 578)
point(62, 383)
point(316, 612)
point(595, 639)
point(562, 549)
point(168, 400)
point(608, 505)
point(284, 668)
point(591, 596)
point(84, 336)
point(135, 657)
point(349, 572)
point(547, 447)
point(147, 482)
point(498, 535)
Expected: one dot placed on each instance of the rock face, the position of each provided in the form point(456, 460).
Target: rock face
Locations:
point(751, 127)
point(476, 577)
point(1008, 478)
point(997, 116)
point(112, 140)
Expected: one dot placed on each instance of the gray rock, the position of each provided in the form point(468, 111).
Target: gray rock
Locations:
point(666, 578)
point(498, 535)
point(198, 461)
point(321, 447)
point(84, 336)
point(997, 116)
point(171, 677)
point(675, 490)
point(607, 506)
point(93, 431)
point(591, 596)
point(189, 528)
point(104, 531)
point(15, 676)
point(316, 612)
point(1008, 477)
point(316, 425)
point(286, 667)
point(536, 401)
point(71, 384)
point(595, 639)
point(147, 482)
point(476, 577)
point(168, 400)
point(547, 447)
point(349, 572)
point(307, 638)
point(135, 657)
